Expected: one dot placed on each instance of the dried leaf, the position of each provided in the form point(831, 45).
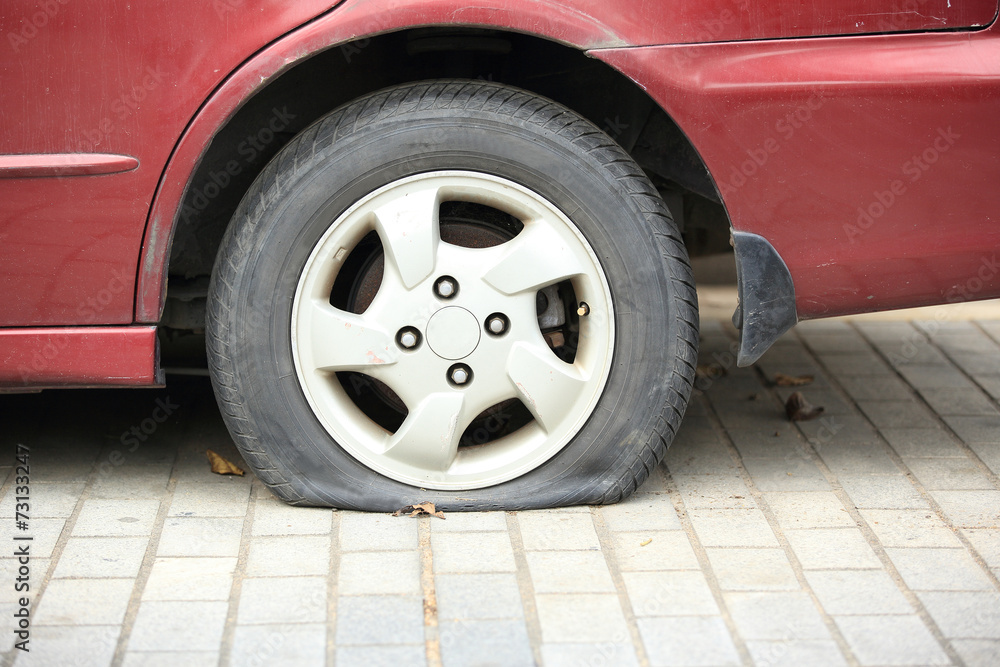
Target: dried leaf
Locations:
point(645, 541)
point(799, 409)
point(710, 371)
point(420, 509)
point(221, 466)
point(783, 380)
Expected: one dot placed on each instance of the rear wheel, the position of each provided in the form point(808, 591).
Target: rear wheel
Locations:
point(456, 292)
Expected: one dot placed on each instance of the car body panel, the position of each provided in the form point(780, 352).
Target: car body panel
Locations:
point(129, 85)
point(79, 357)
point(867, 162)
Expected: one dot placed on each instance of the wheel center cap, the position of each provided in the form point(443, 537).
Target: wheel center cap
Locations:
point(453, 333)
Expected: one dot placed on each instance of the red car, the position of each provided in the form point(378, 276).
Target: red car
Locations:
point(440, 249)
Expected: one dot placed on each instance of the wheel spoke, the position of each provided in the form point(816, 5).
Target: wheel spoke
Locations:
point(343, 341)
point(428, 437)
point(535, 258)
point(548, 386)
point(408, 227)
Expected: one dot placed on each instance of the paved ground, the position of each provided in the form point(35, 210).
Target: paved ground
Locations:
point(869, 537)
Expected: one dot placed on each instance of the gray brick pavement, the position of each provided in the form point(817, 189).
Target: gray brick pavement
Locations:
point(869, 537)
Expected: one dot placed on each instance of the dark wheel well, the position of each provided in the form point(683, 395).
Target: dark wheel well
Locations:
point(240, 149)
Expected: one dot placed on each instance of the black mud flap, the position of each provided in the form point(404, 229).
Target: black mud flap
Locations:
point(767, 296)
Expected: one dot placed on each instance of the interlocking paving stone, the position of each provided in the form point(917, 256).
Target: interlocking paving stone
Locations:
point(817, 509)
point(193, 626)
point(882, 492)
point(478, 596)
point(273, 517)
point(897, 414)
point(987, 542)
point(380, 620)
point(974, 615)
point(975, 429)
point(891, 640)
point(379, 573)
point(788, 474)
point(301, 644)
point(190, 579)
point(796, 652)
point(85, 602)
point(579, 655)
point(939, 570)
point(569, 572)
point(710, 457)
point(951, 473)
point(935, 377)
point(709, 492)
point(132, 482)
point(364, 532)
point(457, 522)
point(193, 536)
point(103, 557)
point(679, 593)
point(910, 528)
point(857, 592)
point(780, 615)
point(276, 556)
point(923, 442)
point(570, 618)
point(465, 642)
point(752, 570)
point(272, 600)
point(641, 512)
point(732, 528)
point(200, 499)
point(832, 549)
point(171, 658)
point(687, 641)
point(381, 656)
point(958, 402)
point(107, 518)
point(472, 552)
point(558, 531)
point(978, 652)
point(971, 509)
point(654, 550)
point(67, 644)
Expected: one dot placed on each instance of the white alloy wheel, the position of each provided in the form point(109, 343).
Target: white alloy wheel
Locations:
point(453, 332)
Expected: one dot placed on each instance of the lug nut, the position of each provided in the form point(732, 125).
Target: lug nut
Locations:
point(446, 287)
point(459, 374)
point(497, 324)
point(408, 338)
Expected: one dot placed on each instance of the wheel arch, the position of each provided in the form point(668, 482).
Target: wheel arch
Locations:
point(286, 86)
